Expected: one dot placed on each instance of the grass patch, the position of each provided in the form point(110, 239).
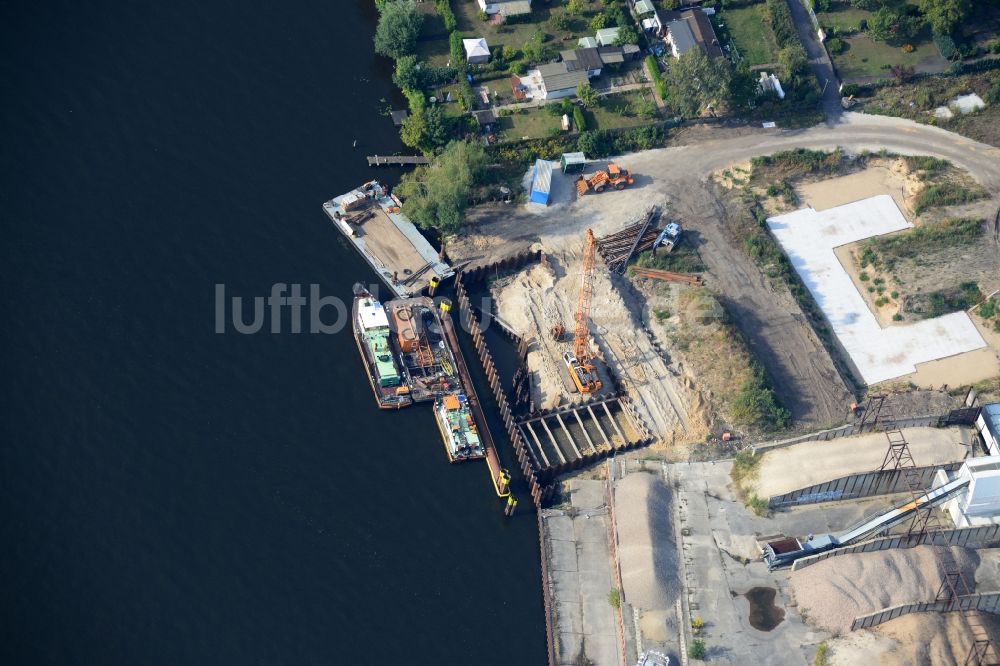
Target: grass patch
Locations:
point(791, 164)
point(746, 467)
point(615, 598)
point(683, 259)
point(886, 251)
point(533, 123)
point(616, 111)
point(865, 59)
point(661, 314)
point(943, 301)
point(844, 19)
point(697, 649)
point(751, 35)
point(946, 194)
point(757, 405)
point(821, 656)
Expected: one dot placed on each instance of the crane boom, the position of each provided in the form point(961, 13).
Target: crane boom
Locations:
point(583, 303)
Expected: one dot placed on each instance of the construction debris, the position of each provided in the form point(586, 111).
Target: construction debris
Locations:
point(667, 276)
point(619, 248)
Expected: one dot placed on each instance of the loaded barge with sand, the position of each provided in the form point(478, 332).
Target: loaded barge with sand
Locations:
point(369, 217)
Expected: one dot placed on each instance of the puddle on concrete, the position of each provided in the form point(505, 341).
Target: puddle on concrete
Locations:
point(764, 615)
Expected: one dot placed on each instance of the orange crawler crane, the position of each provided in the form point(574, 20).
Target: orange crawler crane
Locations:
point(615, 177)
point(580, 369)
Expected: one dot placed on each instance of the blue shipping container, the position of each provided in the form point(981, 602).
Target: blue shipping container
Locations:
point(541, 182)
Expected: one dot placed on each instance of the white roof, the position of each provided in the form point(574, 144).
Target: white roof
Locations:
point(372, 314)
point(809, 238)
point(607, 36)
point(644, 7)
point(476, 47)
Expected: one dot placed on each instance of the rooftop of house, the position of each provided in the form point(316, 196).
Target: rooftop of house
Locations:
point(703, 31)
point(556, 76)
point(582, 59)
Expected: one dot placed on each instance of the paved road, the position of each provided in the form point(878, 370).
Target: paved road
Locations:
point(819, 63)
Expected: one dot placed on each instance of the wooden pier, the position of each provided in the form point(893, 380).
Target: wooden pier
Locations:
point(396, 160)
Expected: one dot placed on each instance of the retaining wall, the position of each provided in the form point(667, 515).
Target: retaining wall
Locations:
point(847, 430)
point(988, 602)
point(867, 484)
point(969, 537)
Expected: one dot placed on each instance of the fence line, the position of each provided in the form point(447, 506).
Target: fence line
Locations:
point(969, 537)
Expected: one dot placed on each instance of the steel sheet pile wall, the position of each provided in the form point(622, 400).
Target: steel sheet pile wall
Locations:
point(986, 536)
point(538, 492)
point(619, 398)
point(868, 484)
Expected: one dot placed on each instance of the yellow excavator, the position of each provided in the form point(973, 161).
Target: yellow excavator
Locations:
point(578, 361)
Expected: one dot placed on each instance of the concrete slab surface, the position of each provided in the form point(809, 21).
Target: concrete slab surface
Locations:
point(879, 354)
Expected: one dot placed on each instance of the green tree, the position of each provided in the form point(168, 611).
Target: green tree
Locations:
point(560, 21)
point(586, 94)
point(792, 61)
point(398, 28)
point(599, 22)
point(533, 49)
point(436, 196)
point(696, 82)
point(426, 128)
point(627, 35)
point(945, 15)
point(743, 87)
point(575, 6)
point(644, 107)
point(882, 25)
point(408, 74)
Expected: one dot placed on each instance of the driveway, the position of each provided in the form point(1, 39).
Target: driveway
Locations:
point(819, 62)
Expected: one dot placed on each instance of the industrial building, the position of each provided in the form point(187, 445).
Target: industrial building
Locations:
point(988, 426)
point(978, 503)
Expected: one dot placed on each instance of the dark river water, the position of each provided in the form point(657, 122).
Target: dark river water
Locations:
point(172, 495)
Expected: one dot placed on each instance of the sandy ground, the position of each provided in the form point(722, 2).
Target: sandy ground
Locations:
point(536, 299)
point(647, 552)
point(837, 590)
point(919, 638)
point(802, 465)
point(803, 374)
point(884, 177)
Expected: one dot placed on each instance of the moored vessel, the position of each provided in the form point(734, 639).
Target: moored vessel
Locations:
point(458, 428)
point(374, 339)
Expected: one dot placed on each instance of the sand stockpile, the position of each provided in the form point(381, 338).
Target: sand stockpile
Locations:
point(938, 639)
point(839, 589)
point(647, 552)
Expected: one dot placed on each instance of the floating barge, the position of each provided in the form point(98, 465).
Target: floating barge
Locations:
point(411, 353)
point(373, 336)
point(427, 361)
point(458, 429)
point(370, 219)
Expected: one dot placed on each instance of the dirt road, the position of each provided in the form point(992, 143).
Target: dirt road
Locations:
point(800, 367)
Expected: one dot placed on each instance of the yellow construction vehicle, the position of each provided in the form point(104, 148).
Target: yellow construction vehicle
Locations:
point(615, 177)
point(578, 361)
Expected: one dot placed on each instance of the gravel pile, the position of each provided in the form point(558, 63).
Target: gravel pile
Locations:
point(839, 589)
point(647, 551)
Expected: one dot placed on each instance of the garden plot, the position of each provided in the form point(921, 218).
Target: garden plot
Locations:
point(809, 237)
